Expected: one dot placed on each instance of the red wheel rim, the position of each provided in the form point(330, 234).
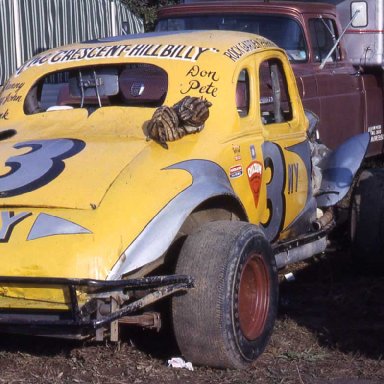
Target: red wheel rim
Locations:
point(253, 297)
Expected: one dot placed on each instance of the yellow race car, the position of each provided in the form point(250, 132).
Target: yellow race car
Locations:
point(141, 167)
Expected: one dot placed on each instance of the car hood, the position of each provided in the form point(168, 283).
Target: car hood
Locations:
point(63, 172)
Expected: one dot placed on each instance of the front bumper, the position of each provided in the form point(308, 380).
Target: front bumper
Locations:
point(81, 321)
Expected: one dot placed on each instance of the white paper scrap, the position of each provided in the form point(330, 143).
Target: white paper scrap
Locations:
point(178, 362)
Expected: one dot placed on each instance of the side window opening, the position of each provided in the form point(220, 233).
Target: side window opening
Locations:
point(275, 104)
point(242, 93)
point(141, 85)
point(323, 38)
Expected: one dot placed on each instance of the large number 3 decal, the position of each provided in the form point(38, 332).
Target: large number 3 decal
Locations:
point(274, 161)
point(39, 166)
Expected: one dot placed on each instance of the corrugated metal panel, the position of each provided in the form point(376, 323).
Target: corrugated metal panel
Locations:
point(127, 22)
point(7, 40)
point(46, 24)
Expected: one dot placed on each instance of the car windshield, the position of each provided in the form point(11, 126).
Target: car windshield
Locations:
point(283, 31)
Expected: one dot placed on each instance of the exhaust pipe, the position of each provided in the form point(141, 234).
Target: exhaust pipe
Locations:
point(325, 221)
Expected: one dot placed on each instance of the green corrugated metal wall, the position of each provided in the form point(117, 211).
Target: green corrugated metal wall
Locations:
point(45, 24)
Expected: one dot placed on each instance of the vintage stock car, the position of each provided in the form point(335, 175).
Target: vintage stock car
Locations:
point(175, 166)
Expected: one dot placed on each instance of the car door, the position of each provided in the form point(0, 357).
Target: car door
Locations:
point(338, 85)
point(286, 153)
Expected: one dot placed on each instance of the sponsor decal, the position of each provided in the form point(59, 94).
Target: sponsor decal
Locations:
point(235, 171)
point(247, 46)
point(253, 152)
point(236, 151)
point(376, 132)
point(254, 173)
point(159, 51)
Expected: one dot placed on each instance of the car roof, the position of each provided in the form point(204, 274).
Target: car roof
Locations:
point(163, 49)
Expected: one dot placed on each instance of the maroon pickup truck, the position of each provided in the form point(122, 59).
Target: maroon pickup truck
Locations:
point(347, 98)
point(336, 51)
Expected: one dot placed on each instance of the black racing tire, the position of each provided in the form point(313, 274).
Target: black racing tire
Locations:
point(226, 320)
point(367, 221)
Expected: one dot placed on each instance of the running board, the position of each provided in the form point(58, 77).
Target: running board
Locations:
point(298, 251)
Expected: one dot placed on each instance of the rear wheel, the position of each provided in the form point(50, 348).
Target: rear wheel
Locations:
point(227, 319)
point(367, 221)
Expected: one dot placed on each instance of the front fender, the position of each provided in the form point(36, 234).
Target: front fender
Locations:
point(208, 180)
point(339, 168)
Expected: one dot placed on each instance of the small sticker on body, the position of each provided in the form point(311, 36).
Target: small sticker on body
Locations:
point(235, 171)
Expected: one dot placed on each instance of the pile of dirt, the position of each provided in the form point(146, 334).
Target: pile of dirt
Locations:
point(330, 330)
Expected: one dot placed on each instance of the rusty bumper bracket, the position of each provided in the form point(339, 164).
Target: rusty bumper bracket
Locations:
point(150, 298)
point(158, 286)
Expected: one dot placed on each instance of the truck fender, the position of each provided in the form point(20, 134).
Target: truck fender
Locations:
point(338, 169)
point(209, 180)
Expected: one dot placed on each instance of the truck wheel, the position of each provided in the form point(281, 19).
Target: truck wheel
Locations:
point(227, 319)
point(367, 221)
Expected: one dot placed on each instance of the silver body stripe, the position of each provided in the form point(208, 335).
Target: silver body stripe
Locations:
point(209, 180)
point(48, 225)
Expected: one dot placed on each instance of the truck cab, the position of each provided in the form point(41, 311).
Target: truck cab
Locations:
point(347, 98)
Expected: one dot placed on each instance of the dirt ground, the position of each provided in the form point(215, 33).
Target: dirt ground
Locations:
point(330, 330)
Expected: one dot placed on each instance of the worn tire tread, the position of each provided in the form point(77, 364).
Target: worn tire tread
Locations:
point(200, 330)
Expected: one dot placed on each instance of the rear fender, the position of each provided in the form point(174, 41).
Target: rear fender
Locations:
point(209, 180)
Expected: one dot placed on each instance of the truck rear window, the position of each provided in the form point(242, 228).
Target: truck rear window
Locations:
point(282, 30)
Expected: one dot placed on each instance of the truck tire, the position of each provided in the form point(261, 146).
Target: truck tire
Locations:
point(367, 221)
point(227, 319)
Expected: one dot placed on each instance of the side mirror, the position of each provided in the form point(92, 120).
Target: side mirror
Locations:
point(359, 14)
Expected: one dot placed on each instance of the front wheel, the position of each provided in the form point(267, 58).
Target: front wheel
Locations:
point(227, 319)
